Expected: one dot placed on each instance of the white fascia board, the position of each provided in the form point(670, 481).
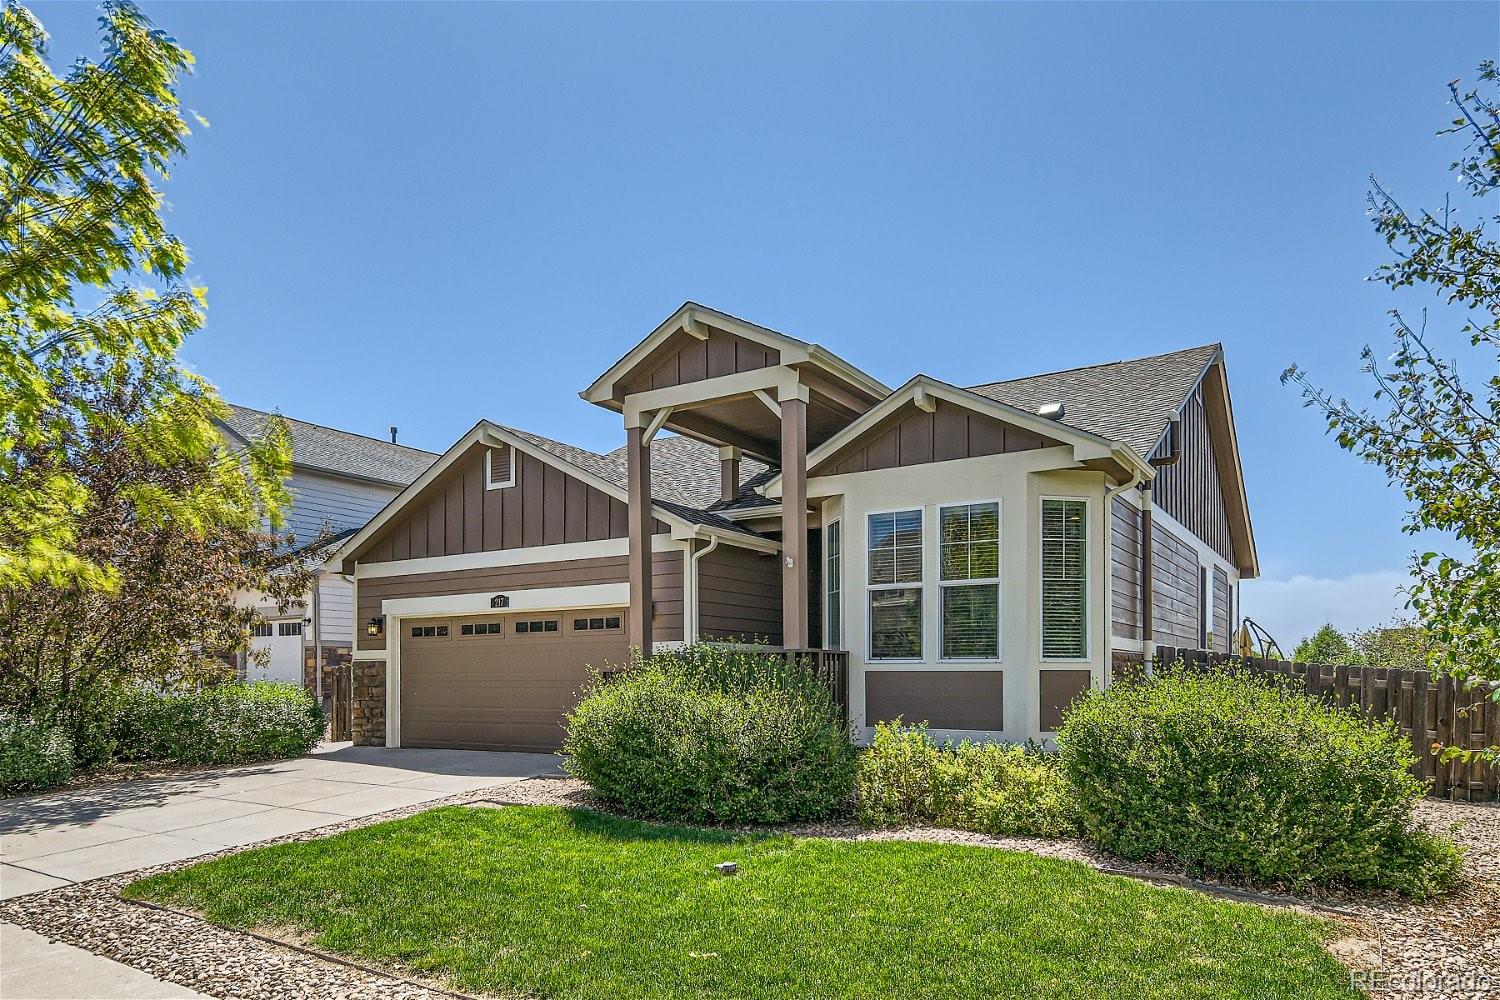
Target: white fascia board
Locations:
point(334, 562)
point(598, 595)
point(791, 350)
point(601, 390)
point(1085, 445)
point(638, 405)
point(485, 432)
point(739, 539)
point(499, 558)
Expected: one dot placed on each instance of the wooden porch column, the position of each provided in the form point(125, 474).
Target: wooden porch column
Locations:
point(638, 465)
point(794, 523)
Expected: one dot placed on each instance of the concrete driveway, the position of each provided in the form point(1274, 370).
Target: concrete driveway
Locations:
point(50, 840)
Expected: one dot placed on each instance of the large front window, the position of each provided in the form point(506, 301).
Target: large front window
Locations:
point(894, 559)
point(969, 576)
point(1065, 579)
point(832, 575)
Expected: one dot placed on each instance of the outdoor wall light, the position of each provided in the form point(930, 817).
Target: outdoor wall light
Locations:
point(376, 626)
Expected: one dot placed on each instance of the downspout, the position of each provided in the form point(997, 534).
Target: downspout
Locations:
point(692, 617)
point(1109, 500)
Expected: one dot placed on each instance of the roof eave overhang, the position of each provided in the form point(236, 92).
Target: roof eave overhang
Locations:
point(486, 432)
point(793, 353)
point(1086, 446)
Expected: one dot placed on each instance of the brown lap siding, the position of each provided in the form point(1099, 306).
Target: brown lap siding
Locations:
point(666, 577)
point(739, 595)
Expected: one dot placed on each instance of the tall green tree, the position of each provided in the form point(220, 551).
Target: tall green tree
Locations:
point(1433, 425)
point(88, 272)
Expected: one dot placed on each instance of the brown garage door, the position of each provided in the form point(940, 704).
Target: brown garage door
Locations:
point(500, 681)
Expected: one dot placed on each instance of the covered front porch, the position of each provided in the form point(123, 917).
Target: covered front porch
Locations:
point(751, 392)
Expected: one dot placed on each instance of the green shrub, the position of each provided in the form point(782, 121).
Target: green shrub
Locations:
point(709, 734)
point(1238, 775)
point(228, 724)
point(905, 778)
point(33, 755)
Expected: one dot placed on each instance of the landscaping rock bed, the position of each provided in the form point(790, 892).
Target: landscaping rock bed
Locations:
point(1457, 938)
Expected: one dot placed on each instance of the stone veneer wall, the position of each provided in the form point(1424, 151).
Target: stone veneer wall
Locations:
point(367, 708)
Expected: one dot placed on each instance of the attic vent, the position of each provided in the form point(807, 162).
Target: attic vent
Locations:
point(1051, 411)
point(498, 470)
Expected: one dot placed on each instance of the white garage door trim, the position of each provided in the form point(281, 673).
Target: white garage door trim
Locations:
point(601, 595)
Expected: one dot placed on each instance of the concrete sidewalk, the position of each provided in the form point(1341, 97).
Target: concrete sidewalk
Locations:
point(55, 839)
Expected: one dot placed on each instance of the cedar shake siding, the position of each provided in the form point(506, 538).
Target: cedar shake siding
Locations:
point(456, 514)
point(1223, 622)
point(943, 699)
point(739, 596)
point(683, 358)
point(910, 436)
point(1174, 589)
point(1190, 490)
point(666, 586)
point(1125, 570)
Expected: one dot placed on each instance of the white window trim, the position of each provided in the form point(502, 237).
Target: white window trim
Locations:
point(1088, 583)
point(920, 587)
point(831, 641)
point(997, 580)
point(488, 484)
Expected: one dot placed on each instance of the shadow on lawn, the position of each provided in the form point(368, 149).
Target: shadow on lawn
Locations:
point(609, 827)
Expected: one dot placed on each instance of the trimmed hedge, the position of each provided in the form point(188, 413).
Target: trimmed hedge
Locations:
point(33, 755)
point(1231, 774)
point(906, 778)
point(710, 734)
point(229, 724)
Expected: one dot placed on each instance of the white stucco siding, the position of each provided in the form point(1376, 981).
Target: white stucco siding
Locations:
point(1018, 481)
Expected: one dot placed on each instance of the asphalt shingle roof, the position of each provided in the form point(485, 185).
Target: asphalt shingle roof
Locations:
point(1128, 401)
point(684, 473)
point(341, 452)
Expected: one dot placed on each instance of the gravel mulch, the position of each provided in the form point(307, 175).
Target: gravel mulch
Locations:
point(1409, 951)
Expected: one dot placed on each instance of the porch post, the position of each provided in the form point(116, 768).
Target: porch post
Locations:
point(794, 521)
point(638, 464)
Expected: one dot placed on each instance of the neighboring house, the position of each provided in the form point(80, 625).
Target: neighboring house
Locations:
point(982, 554)
point(339, 481)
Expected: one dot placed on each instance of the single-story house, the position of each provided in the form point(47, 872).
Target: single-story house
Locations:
point(979, 554)
point(339, 481)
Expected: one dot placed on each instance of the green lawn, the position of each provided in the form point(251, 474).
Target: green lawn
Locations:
point(568, 903)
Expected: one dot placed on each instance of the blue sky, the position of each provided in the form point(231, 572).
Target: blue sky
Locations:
point(421, 214)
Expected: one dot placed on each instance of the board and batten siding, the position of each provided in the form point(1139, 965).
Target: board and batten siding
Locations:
point(1125, 569)
point(739, 596)
point(666, 586)
point(911, 436)
point(1190, 490)
point(455, 514)
point(1174, 589)
point(682, 359)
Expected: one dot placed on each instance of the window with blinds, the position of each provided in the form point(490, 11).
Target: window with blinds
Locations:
point(1064, 579)
point(895, 585)
point(832, 611)
point(969, 578)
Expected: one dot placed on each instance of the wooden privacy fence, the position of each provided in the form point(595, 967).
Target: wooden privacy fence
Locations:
point(1430, 709)
point(341, 699)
